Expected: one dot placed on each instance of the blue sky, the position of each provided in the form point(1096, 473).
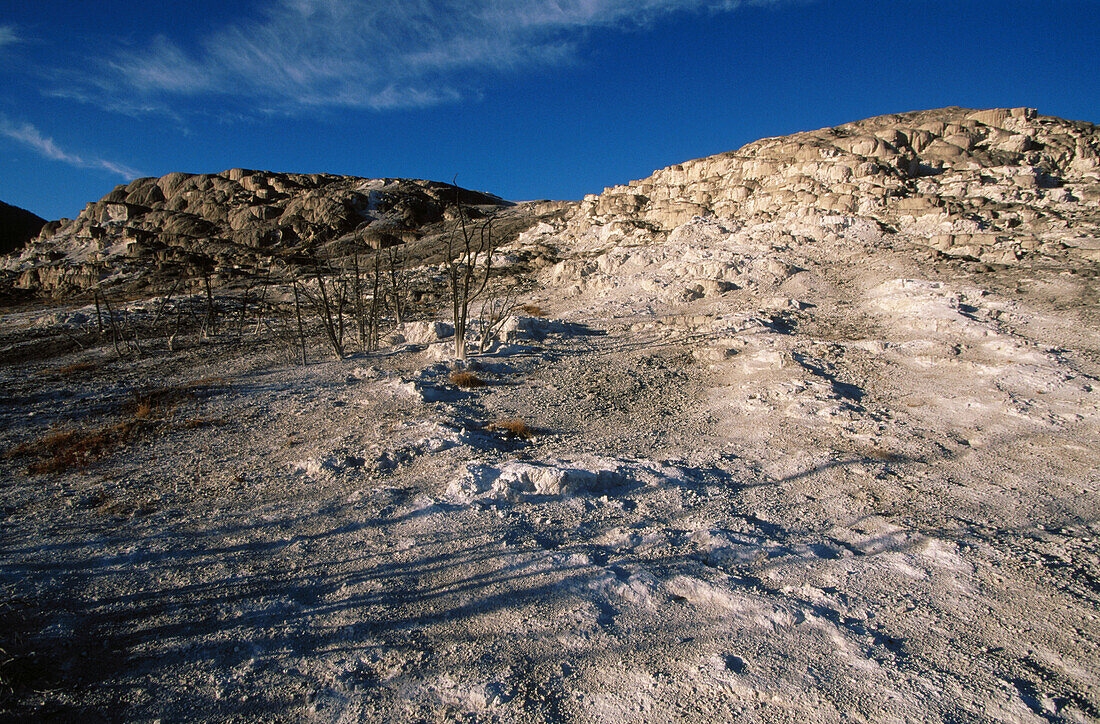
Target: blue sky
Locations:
point(525, 99)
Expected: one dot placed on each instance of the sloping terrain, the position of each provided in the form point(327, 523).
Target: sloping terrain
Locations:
point(802, 467)
point(230, 226)
point(17, 227)
point(1000, 186)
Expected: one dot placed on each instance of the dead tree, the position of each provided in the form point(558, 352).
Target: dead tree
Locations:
point(375, 314)
point(332, 330)
point(367, 314)
point(261, 304)
point(98, 314)
point(469, 261)
point(341, 295)
point(164, 304)
point(398, 287)
point(210, 324)
point(115, 334)
point(357, 302)
point(118, 335)
point(243, 313)
point(298, 313)
point(495, 311)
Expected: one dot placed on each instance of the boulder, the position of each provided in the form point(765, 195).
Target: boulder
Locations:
point(426, 332)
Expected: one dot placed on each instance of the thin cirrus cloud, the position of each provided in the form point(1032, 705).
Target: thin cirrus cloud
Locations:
point(379, 54)
point(30, 137)
point(7, 35)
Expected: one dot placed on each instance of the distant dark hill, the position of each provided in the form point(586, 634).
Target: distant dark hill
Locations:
point(17, 227)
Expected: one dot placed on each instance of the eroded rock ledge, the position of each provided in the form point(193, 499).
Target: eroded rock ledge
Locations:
point(994, 185)
point(226, 223)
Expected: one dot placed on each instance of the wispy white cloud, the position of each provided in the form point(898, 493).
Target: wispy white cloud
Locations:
point(31, 137)
point(379, 54)
point(7, 35)
point(133, 107)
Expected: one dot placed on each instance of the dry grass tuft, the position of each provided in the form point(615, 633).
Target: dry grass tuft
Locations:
point(164, 399)
point(466, 380)
point(60, 451)
point(212, 381)
point(196, 422)
point(513, 428)
point(144, 409)
point(76, 368)
point(63, 450)
point(161, 399)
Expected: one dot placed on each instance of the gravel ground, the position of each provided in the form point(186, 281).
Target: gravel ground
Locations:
point(863, 489)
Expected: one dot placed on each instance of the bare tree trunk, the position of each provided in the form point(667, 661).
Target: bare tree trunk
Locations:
point(358, 292)
point(164, 304)
point(340, 307)
point(114, 327)
point(326, 311)
point(397, 285)
point(375, 304)
point(98, 314)
point(494, 313)
point(298, 311)
point(244, 309)
point(211, 319)
point(179, 320)
point(260, 307)
point(193, 312)
point(462, 273)
point(459, 319)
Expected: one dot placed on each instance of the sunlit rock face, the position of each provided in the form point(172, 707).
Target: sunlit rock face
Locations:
point(996, 185)
point(227, 223)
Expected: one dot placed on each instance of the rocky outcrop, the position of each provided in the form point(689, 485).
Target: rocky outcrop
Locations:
point(996, 185)
point(227, 224)
point(17, 227)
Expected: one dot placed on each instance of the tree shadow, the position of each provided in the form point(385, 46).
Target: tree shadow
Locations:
point(249, 596)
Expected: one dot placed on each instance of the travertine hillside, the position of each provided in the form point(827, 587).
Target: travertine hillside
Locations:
point(992, 185)
point(1000, 186)
point(227, 222)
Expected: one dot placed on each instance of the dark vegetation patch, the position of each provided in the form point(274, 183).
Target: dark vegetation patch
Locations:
point(64, 449)
point(514, 428)
point(466, 380)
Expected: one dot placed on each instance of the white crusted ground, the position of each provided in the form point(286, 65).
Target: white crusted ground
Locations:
point(777, 475)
